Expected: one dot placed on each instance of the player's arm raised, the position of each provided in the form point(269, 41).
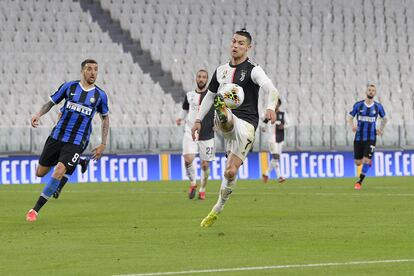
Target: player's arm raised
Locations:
point(260, 78)
point(43, 110)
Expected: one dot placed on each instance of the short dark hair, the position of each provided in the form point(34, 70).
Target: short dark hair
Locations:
point(89, 60)
point(371, 85)
point(245, 33)
point(203, 70)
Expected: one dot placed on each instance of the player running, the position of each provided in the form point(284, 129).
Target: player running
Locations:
point(238, 126)
point(275, 139)
point(366, 113)
point(70, 136)
point(205, 143)
point(83, 163)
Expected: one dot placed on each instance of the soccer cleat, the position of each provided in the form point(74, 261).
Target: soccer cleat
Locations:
point(192, 191)
point(220, 107)
point(31, 215)
point(209, 219)
point(202, 195)
point(282, 179)
point(357, 186)
point(84, 164)
point(265, 178)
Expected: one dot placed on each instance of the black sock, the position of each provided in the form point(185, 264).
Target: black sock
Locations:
point(82, 162)
point(361, 178)
point(62, 182)
point(40, 202)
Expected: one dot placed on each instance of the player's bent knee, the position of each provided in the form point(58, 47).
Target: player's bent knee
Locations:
point(204, 165)
point(231, 173)
point(358, 162)
point(59, 171)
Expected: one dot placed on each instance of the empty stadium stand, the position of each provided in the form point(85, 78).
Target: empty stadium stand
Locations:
point(320, 54)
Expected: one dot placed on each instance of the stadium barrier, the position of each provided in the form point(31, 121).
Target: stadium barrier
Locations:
point(155, 139)
point(156, 167)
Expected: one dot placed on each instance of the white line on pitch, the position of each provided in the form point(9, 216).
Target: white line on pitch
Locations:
point(138, 191)
point(218, 270)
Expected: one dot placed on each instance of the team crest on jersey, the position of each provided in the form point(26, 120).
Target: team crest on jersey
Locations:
point(373, 112)
point(92, 100)
point(224, 74)
point(243, 74)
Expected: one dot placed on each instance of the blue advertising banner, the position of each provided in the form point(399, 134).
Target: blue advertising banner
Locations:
point(110, 168)
point(136, 168)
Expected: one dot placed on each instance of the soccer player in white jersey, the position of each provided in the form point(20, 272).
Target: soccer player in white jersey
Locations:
point(237, 125)
point(275, 139)
point(205, 142)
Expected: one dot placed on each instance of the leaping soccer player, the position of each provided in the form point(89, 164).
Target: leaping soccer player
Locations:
point(366, 113)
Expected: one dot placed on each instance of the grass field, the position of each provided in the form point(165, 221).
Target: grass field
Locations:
point(125, 228)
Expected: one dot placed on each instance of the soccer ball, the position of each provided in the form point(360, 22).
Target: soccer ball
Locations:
point(233, 95)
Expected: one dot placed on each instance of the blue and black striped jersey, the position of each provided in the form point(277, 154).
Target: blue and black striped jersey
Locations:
point(367, 118)
point(75, 124)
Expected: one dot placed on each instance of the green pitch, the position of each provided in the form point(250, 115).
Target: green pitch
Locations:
point(125, 228)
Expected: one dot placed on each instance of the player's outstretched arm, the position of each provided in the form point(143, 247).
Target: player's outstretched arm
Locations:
point(43, 110)
point(98, 151)
point(205, 106)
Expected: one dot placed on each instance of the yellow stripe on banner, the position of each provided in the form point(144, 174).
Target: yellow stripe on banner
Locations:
point(165, 166)
point(359, 169)
point(264, 162)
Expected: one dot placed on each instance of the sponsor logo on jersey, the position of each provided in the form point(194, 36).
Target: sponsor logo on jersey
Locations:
point(79, 108)
point(366, 119)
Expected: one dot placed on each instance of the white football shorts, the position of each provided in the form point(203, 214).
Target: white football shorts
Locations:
point(205, 148)
point(275, 148)
point(240, 139)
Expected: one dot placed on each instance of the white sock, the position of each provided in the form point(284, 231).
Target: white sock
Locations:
point(204, 176)
point(225, 191)
point(190, 170)
point(277, 168)
point(272, 165)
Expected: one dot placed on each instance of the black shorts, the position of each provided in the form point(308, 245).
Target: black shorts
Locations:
point(57, 151)
point(363, 149)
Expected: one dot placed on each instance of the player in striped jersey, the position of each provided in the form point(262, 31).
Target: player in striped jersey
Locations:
point(70, 136)
point(238, 125)
point(366, 113)
point(83, 163)
point(205, 142)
